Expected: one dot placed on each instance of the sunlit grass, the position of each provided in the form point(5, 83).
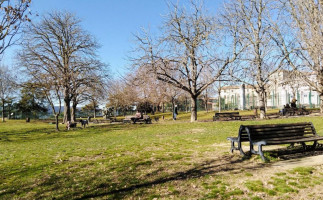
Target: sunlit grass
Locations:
point(124, 160)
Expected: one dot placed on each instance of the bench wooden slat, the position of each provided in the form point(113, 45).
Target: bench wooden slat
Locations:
point(280, 134)
point(288, 141)
point(285, 128)
point(280, 125)
point(276, 136)
point(286, 138)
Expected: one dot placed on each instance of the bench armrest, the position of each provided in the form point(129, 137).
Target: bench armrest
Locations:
point(234, 139)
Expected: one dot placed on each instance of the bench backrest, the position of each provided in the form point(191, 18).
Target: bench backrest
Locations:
point(128, 117)
point(277, 131)
point(146, 117)
point(227, 114)
point(243, 135)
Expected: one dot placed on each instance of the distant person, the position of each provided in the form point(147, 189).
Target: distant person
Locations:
point(136, 117)
point(175, 113)
point(282, 111)
point(287, 106)
point(293, 103)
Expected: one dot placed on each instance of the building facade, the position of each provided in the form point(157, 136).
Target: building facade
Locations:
point(282, 88)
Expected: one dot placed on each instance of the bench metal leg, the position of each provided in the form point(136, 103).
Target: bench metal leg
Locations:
point(232, 147)
point(261, 153)
point(314, 145)
point(240, 149)
point(252, 150)
point(306, 147)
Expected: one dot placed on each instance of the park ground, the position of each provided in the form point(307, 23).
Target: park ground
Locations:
point(164, 160)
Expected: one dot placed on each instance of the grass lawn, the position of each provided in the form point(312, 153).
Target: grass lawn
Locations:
point(164, 160)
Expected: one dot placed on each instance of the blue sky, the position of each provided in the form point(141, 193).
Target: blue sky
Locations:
point(112, 22)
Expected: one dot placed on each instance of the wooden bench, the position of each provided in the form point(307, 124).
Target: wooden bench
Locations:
point(100, 121)
point(127, 119)
point(146, 119)
point(130, 119)
point(274, 134)
point(227, 116)
point(295, 111)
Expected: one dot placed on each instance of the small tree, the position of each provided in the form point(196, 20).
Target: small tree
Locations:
point(7, 87)
point(91, 107)
point(31, 100)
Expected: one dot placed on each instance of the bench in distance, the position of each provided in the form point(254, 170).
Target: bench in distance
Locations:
point(227, 116)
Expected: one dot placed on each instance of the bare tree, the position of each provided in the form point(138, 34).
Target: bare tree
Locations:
point(88, 83)
point(257, 27)
point(149, 88)
point(59, 46)
point(13, 14)
point(306, 21)
point(8, 86)
point(186, 49)
point(121, 95)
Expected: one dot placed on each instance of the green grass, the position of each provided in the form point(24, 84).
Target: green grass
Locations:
point(162, 160)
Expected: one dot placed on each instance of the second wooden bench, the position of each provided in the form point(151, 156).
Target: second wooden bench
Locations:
point(227, 116)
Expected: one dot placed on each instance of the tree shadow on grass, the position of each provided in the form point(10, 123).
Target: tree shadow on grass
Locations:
point(226, 163)
point(37, 134)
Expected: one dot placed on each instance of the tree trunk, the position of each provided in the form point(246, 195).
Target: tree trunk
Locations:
point(73, 111)
point(3, 110)
point(186, 104)
point(56, 122)
point(173, 107)
point(94, 113)
point(67, 110)
point(163, 107)
point(219, 101)
point(205, 105)
point(262, 104)
point(321, 103)
point(193, 109)
point(9, 111)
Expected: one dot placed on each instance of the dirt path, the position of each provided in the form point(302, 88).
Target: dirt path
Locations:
point(300, 162)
